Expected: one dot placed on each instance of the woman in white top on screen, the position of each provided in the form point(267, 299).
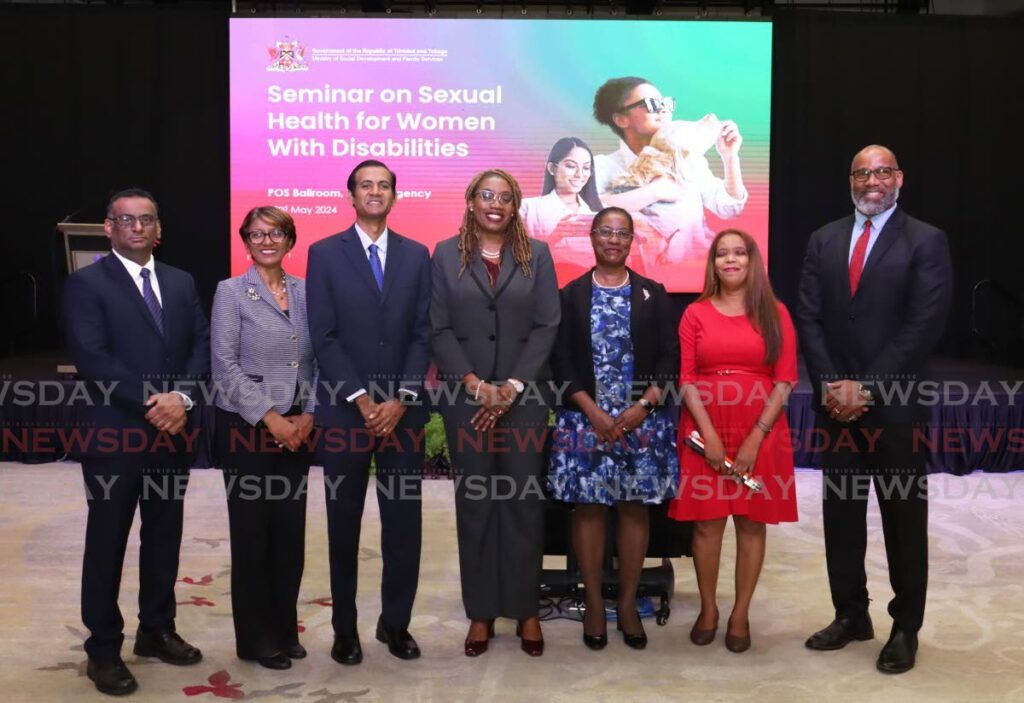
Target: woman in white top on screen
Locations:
point(635, 110)
point(562, 214)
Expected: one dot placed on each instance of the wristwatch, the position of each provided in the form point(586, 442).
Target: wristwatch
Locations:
point(517, 384)
point(646, 405)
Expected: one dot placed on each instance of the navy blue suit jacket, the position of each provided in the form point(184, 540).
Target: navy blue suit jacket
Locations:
point(364, 337)
point(114, 340)
point(885, 332)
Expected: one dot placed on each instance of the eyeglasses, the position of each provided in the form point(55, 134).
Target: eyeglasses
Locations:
point(882, 173)
point(128, 221)
point(257, 236)
point(489, 196)
point(607, 233)
point(665, 104)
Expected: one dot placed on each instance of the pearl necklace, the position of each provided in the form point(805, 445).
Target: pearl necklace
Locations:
point(490, 254)
point(597, 283)
point(279, 293)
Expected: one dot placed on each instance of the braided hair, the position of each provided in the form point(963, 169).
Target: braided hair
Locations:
point(515, 234)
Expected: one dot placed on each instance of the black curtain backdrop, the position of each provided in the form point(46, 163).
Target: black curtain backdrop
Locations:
point(98, 98)
point(944, 94)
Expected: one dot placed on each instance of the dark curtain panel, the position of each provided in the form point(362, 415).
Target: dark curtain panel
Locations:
point(944, 94)
point(96, 99)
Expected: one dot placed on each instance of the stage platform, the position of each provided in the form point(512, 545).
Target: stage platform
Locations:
point(977, 417)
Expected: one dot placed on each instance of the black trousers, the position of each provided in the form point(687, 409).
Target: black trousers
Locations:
point(398, 459)
point(889, 458)
point(114, 486)
point(266, 495)
point(499, 508)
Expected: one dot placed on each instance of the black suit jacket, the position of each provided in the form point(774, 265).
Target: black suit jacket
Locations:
point(114, 340)
point(364, 337)
point(884, 333)
point(653, 328)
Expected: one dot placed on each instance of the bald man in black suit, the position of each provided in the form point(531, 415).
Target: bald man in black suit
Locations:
point(874, 297)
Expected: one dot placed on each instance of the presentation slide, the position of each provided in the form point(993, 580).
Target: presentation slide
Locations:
point(440, 100)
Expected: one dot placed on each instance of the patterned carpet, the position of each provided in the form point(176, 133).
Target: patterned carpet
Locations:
point(972, 644)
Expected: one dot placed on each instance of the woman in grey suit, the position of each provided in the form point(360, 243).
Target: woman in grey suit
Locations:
point(495, 313)
point(263, 370)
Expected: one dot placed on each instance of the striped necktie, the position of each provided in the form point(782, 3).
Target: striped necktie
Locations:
point(151, 302)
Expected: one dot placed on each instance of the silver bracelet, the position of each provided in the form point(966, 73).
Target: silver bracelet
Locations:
point(476, 395)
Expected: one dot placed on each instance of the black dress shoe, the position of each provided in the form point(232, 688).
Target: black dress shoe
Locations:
point(296, 651)
point(841, 632)
point(276, 661)
point(111, 677)
point(400, 643)
point(168, 647)
point(899, 652)
point(347, 650)
point(595, 642)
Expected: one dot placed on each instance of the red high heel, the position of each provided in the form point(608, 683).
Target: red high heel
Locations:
point(474, 648)
point(534, 648)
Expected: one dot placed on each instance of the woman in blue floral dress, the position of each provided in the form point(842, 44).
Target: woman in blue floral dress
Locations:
point(614, 445)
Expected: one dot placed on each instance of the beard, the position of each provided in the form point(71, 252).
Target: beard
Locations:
point(873, 207)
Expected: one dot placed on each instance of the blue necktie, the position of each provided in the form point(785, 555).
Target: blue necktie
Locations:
point(378, 270)
point(151, 302)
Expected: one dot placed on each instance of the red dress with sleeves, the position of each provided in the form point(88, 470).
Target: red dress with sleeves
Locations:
point(724, 356)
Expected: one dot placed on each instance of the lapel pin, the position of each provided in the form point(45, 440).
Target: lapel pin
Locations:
point(647, 294)
point(251, 292)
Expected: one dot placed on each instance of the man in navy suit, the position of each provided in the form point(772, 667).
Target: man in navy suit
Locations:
point(874, 297)
point(135, 325)
point(368, 296)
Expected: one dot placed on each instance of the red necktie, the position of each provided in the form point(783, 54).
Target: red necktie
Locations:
point(857, 261)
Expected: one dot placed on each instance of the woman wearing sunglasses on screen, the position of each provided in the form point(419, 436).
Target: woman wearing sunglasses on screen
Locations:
point(263, 370)
point(614, 445)
point(674, 199)
point(495, 315)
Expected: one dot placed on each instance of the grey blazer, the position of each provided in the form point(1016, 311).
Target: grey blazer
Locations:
point(498, 334)
point(260, 354)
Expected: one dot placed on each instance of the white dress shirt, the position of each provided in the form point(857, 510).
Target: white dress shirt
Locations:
point(382, 254)
point(134, 270)
point(382, 245)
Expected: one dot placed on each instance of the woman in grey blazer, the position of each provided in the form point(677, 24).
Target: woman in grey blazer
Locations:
point(495, 313)
point(264, 371)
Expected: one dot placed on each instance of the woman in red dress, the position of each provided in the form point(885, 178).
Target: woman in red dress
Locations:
point(738, 367)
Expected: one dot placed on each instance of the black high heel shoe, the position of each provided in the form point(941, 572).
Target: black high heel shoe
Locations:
point(634, 641)
point(596, 642)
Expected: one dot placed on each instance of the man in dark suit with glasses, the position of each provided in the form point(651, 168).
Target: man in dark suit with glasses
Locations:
point(135, 327)
point(874, 297)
